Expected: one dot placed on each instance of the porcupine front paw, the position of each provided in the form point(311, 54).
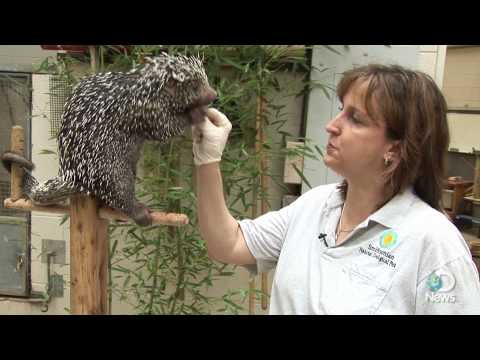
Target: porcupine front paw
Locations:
point(141, 214)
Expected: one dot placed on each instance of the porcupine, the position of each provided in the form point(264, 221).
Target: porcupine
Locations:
point(105, 122)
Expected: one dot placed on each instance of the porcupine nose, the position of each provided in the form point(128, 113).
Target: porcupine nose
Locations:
point(209, 95)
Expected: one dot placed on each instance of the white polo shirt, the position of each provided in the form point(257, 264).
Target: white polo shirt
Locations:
point(406, 258)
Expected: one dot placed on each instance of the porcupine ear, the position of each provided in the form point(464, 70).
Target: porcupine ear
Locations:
point(178, 76)
point(148, 60)
point(176, 69)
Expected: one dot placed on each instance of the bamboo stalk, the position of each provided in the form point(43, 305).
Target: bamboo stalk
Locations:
point(158, 218)
point(264, 187)
point(251, 297)
point(263, 184)
point(264, 290)
point(260, 139)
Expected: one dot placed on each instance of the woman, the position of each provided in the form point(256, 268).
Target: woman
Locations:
point(378, 242)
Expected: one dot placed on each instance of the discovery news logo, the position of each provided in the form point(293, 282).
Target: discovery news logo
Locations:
point(441, 283)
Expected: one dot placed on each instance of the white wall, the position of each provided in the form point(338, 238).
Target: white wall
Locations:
point(23, 58)
point(431, 60)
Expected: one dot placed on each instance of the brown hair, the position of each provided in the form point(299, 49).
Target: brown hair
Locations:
point(415, 112)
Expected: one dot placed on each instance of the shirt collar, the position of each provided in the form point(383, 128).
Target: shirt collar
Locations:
point(335, 199)
point(388, 215)
point(392, 213)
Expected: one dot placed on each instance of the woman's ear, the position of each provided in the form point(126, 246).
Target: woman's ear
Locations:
point(393, 152)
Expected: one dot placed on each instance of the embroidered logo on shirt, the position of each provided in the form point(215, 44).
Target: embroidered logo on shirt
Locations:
point(441, 282)
point(388, 240)
point(434, 282)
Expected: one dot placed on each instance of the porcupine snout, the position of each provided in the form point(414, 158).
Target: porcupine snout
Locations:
point(198, 110)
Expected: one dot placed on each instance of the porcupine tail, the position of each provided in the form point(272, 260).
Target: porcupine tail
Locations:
point(50, 192)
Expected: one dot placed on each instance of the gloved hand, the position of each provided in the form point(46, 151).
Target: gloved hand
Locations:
point(210, 137)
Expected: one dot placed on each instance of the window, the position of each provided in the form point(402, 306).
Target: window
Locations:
point(15, 109)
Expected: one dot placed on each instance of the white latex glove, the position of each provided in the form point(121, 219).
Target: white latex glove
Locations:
point(210, 137)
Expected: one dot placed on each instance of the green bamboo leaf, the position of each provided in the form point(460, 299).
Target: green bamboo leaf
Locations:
point(121, 269)
point(319, 151)
point(325, 89)
point(227, 273)
point(332, 49)
point(114, 247)
point(127, 280)
point(310, 156)
point(285, 133)
point(64, 219)
point(47, 152)
point(301, 175)
point(234, 64)
point(319, 70)
point(231, 303)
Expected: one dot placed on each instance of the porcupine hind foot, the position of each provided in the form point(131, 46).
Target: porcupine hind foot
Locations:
point(120, 194)
point(141, 214)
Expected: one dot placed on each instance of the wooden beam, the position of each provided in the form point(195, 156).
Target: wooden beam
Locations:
point(159, 218)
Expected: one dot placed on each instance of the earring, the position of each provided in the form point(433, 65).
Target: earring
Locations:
point(387, 161)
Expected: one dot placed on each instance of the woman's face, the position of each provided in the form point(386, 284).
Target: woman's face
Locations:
point(357, 145)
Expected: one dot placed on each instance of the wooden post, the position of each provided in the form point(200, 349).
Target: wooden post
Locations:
point(88, 257)
point(17, 146)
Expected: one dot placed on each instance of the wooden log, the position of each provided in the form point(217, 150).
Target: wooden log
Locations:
point(26, 205)
point(16, 175)
point(159, 218)
point(88, 258)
